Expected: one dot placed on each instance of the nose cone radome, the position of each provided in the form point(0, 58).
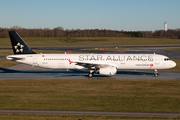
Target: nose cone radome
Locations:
point(173, 64)
point(170, 64)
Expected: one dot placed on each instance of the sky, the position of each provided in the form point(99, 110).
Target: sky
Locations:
point(126, 15)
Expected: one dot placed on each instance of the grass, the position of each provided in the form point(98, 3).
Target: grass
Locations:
point(91, 95)
point(108, 41)
point(177, 68)
point(5, 52)
point(74, 117)
point(48, 51)
point(173, 50)
point(109, 49)
point(4, 63)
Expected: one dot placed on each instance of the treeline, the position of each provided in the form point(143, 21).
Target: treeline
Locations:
point(60, 32)
point(169, 34)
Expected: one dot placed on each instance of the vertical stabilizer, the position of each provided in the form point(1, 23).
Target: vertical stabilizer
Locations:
point(18, 44)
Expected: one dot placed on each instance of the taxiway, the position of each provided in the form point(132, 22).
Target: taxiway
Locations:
point(129, 114)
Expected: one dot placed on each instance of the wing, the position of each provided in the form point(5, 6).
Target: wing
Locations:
point(93, 65)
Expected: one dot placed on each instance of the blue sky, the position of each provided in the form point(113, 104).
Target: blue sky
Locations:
point(127, 15)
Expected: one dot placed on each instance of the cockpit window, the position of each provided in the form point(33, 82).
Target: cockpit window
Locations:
point(166, 59)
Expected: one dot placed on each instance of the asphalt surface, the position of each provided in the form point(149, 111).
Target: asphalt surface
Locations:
point(95, 113)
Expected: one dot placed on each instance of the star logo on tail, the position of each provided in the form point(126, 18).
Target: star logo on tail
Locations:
point(19, 47)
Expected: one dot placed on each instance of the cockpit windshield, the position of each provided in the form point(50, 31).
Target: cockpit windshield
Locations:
point(166, 59)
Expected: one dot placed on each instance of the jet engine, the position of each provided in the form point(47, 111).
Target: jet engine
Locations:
point(107, 71)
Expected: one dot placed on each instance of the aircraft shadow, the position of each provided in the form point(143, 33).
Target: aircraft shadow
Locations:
point(75, 72)
point(135, 73)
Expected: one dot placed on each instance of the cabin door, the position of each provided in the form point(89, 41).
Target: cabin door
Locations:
point(157, 60)
point(35, 61)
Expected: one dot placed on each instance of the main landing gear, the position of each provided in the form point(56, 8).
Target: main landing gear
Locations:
point(155, 73)
point(91, 73)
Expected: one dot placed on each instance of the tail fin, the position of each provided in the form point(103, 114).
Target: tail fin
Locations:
point(18, 45)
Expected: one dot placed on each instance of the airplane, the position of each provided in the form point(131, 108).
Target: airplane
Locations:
point(105, 64)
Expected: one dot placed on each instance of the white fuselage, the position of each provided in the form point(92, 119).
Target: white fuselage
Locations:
point(120, 61)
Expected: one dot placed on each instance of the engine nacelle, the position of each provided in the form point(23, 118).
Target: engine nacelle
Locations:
point(107, 71)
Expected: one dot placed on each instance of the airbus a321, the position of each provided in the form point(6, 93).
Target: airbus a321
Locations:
point(105, 64)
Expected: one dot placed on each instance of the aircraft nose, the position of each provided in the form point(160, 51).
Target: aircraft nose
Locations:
point(173, 64)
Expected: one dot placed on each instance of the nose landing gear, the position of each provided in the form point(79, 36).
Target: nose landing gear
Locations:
point(155, 73)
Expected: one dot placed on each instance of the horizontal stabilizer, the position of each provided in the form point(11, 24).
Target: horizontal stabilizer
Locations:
point(14, 58)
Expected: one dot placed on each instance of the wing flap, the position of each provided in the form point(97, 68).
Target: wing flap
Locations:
point(93, 65)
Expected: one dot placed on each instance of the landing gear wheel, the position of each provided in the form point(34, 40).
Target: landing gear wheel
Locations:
point(90, 75)
point(155, 73)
